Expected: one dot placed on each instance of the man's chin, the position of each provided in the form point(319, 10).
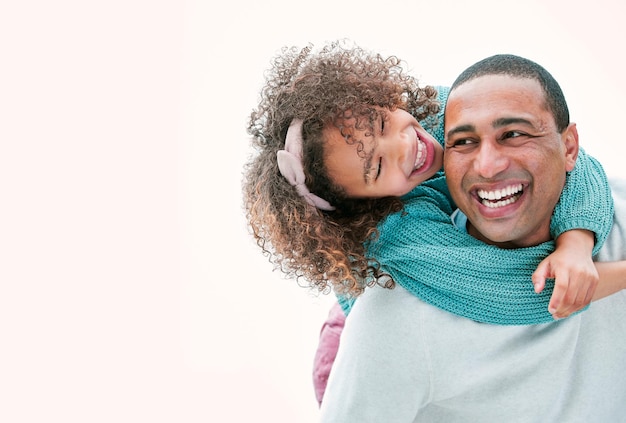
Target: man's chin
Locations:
point(500, 237)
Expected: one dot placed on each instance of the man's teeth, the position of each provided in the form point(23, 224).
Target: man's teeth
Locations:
point(499, 193)
point(501, 197)
point(421, 155)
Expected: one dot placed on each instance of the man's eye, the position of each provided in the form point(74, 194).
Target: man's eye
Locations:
point(461, 142)
point(512, 134)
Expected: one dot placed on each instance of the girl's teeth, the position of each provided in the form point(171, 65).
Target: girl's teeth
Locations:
point(420, 157)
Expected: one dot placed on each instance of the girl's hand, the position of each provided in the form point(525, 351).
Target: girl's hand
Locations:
point(575, 275)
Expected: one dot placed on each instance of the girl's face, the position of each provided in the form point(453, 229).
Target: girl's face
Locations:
point(390, 159)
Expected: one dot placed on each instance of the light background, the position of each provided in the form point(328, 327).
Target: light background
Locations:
point(130, 290)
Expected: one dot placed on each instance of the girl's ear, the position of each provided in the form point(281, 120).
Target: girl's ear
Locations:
point(570, 139)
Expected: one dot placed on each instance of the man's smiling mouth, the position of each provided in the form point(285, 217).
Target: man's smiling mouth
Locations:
point(500, 197)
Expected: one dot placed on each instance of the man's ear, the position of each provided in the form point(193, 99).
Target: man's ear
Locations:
point(570, 138)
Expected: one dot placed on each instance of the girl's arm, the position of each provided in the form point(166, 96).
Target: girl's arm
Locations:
point(581, 223)
point(613, 277)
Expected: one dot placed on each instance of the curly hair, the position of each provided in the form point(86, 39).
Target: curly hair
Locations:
point(325, 248)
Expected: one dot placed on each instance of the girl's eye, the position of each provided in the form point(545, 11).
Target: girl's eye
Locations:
point(380, 166)
point(382, 125)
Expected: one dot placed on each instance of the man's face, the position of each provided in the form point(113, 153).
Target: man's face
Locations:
point(504, 159)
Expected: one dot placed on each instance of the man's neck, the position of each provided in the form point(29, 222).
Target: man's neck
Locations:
point(506, 244)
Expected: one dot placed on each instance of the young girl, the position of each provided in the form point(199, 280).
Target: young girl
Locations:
point(340, 147)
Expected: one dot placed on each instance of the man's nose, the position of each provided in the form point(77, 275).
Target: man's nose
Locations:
point(490, 159)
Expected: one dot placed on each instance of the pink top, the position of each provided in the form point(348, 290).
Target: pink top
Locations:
point(327, 349)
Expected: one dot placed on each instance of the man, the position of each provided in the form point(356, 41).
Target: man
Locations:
point(509, 144)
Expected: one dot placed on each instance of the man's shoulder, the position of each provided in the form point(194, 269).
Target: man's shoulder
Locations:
point(393, 302)
point(615, 245)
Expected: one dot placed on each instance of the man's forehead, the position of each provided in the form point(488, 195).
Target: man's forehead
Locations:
point(497, 92)
point(497, 100)
point(475, 88)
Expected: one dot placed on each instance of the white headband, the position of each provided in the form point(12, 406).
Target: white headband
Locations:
point(290, 165)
